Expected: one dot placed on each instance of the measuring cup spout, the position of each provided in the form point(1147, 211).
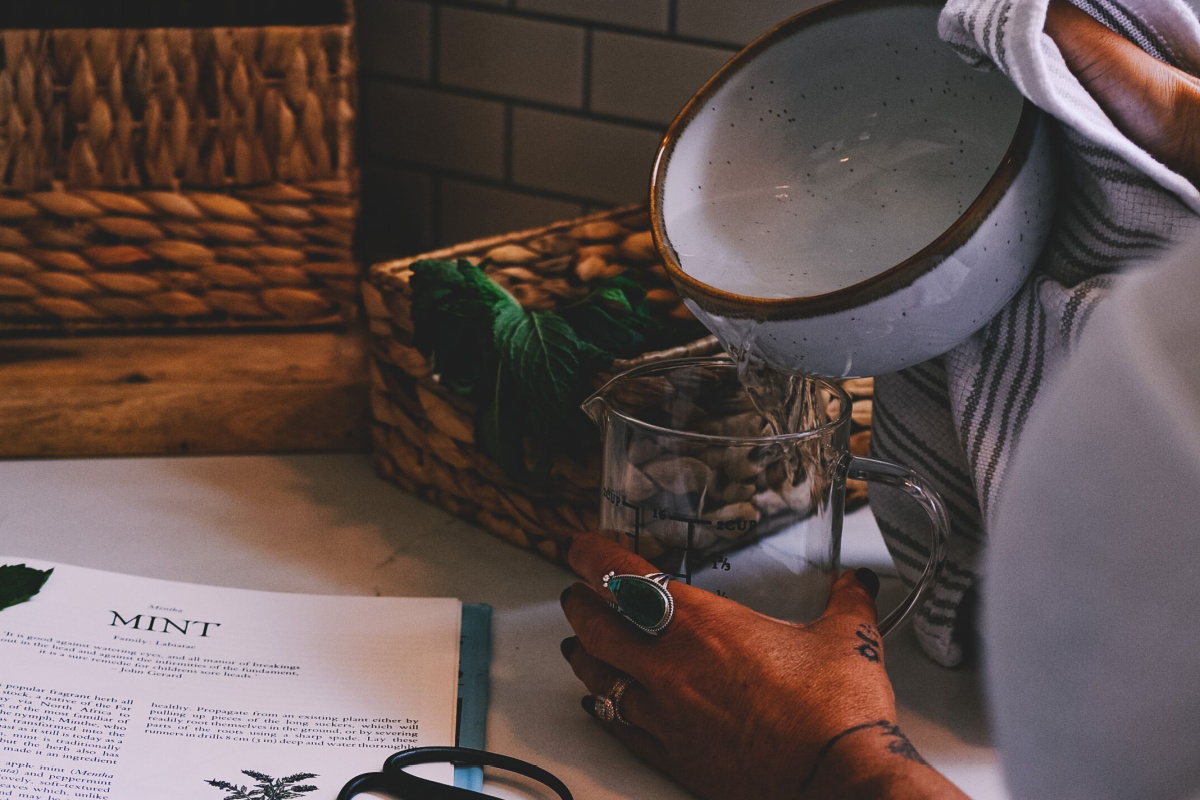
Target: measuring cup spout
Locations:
point(596, 407)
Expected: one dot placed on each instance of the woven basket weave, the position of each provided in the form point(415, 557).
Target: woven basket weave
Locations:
point(424, 437)
point(177, 177)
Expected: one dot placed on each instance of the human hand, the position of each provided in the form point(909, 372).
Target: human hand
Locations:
point(1154, 104)
point(735, 704)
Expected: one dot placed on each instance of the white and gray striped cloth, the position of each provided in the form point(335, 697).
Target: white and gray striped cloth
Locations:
point(956, 419)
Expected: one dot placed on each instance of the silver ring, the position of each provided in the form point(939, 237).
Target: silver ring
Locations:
point(608, 706)
point(642, 599)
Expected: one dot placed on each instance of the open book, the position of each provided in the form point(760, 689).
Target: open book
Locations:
point(130, 688)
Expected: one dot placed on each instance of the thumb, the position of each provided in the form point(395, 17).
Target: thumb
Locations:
point(1154, 104)
point(854, 595)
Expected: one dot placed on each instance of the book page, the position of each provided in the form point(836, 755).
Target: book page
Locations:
point(113, 686)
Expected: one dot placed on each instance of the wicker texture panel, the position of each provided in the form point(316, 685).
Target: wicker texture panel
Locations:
point(423, 434)
point(177, 178)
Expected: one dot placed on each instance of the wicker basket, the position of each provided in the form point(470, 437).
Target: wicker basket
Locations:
point(424, 437)
point(181, 177)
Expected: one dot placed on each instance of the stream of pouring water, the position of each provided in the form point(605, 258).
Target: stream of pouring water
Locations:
point(788, 403)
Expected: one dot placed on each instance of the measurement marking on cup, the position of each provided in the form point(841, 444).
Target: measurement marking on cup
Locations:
point(617, 498)
point(692, 522)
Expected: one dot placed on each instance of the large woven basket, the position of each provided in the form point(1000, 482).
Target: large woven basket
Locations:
point(177, 177)
point(424, 437)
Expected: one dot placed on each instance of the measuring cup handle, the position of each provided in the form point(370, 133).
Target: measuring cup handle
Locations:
point(916, 487)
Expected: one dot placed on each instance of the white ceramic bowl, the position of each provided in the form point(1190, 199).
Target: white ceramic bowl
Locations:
point(848, 197)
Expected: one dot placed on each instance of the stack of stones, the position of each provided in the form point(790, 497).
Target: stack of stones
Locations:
point(424, 436)
point(554, 268)
point(745, 491)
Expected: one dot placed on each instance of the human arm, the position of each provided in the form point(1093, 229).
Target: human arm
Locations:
point(1150, 102)
point(734, 704)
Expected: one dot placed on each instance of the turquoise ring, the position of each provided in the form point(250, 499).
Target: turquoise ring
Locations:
point(642, 599)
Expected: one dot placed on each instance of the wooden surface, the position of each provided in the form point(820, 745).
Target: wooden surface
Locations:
point(140, 395)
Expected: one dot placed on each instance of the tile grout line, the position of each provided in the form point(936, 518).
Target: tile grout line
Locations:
point(586, 100)
point(435, 216)
point(438, 173)
point(435, 44)
point(509, 145)
point(609, 27)
point(536, 105)
point(673, 17)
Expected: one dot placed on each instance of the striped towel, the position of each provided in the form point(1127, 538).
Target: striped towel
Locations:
point(956, 419)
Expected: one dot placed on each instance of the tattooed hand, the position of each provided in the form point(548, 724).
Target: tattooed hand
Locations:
point(734, 704)
point(870, 647)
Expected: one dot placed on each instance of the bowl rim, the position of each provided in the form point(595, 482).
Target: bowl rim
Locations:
point(882, 284)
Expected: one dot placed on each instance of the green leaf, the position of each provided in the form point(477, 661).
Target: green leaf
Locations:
point(18, 583)
point(598, 326)
point(527, 372)
point(548, 360)
point(613, 298)
point(633, 291)
point(484, 287)
point(453, 307)
point(499, 425)
point(616, 318)
point(436, 280)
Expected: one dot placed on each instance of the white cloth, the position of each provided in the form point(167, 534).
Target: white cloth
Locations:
point(957, 419)
point(1090, 626)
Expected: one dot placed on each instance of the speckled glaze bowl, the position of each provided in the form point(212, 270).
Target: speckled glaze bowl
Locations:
point(847, 197)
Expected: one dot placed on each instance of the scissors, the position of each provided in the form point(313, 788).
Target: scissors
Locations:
point(401, 785)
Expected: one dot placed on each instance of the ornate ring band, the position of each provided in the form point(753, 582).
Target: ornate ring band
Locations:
point(642, 599)
point(608, 706)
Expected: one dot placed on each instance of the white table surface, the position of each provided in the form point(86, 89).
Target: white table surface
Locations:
point(326, 524)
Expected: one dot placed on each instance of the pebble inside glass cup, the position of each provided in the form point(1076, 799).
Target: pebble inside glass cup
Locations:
point(695, 482)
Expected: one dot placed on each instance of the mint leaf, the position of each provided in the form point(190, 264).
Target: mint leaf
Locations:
point(453, 306)
point(18, 583)
point(460, 279)
point(498, 425)
point(614, 298)
point(599, 326)
point(549, 361)
point(633, 291)
point(526, 372)
point(616, 318)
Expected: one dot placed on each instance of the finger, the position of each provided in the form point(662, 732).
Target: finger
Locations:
point(636, 703)
point(1153, 103)
point(642, 744)
point(593, 556)
point(853, 597)
point(604, 633)
point(1078, 34)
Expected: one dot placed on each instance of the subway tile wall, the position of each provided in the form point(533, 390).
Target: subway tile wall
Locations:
point(485, 116)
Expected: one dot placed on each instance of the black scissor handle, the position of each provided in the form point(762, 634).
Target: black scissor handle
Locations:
point(404, 786)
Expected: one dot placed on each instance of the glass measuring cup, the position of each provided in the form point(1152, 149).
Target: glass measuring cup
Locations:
point(694, 482)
